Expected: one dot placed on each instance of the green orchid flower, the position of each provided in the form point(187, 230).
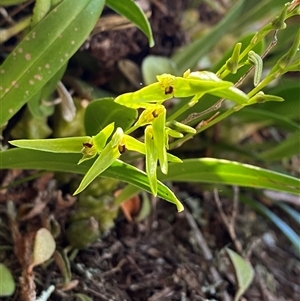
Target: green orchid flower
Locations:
point(119, 143)
point(191, 84)
point(96, 143)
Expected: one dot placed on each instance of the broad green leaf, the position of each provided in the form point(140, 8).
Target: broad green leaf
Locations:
point(43, 248)
point(188, 56)
point(243, 270)
point(285, 149)
point(219, 171)
point(153, 65)
point(130, 10)
point(37, 59)
point(7, 283)
point(34, 103)
point(32, 159)
point(56, 145)
point(99, 113)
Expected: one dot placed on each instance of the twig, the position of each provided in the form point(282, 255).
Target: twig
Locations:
point(254, 245)
point(205, 249)
point(235, 205)
point(115, 269)
point(230, 223)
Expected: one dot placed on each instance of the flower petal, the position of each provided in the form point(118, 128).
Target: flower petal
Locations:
point(160, 139)
point(151, 159)
point(109, 155)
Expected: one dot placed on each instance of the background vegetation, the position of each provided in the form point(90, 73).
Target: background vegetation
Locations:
point(62, 68)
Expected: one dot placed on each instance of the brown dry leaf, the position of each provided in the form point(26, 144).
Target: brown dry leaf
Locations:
point(130, 207)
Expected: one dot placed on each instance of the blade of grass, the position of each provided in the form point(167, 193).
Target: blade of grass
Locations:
point(32, 159)
point(290, 211)
point(219, 171)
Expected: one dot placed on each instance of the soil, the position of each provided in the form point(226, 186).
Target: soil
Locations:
point(167, 255)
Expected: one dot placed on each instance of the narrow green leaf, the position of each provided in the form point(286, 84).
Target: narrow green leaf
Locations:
point(7, 283)
point(101, 138)
point(56, 145)
point(130, 10)
point(285, 149)
point(218, 171)
point(187, 57)
point(232, 63)
point(37, 59)
point(294, 214)
point(100, 112)
point(109, 155)
point(126, 193)
point(243, 270)
point(245, 41)
point(215, 86)
point(62, 261)
point(32, 159)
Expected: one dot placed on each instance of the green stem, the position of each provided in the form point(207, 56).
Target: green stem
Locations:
point(261, 85)
point(179, 112)
point(6, 34)
point(202, 128)
point(132, 129)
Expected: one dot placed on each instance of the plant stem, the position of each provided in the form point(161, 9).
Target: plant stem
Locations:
point(6, 34)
